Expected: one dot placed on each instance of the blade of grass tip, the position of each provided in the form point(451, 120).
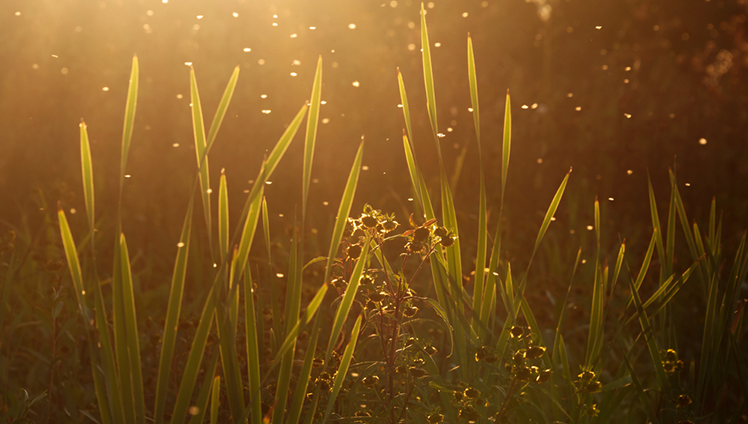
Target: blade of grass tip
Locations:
point(292, 307)
point(223, 105)
point(71, 254)
point(617, 270)
point(223, 219)
point(253, 348)
point(131, 105)
point(198, 131)
point(344, 209)
point(670, 236)
point(428, 78)
point(345, 361)
point(415, 177)
point(506, 146)
point(639, 388)
point(404, 103)
point(133, 340)
point(644, 268)
point(205, 390)
point(214, 399)
point(345, 305)
point(172, 316)
point(595, 336)
point(297, 401)
point(480, 257)
point(544, 227)
point(311, 134)
point(87, 171)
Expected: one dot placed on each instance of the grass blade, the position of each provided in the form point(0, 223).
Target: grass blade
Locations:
point(198, 130)
point(344, 209)
point(345, 361)
point(87, 171)
point(223, 105)
point(345, 305)
point(253, 348)
point(205, 390)
point(223, 219)
point(133, 340)
point(311, 134)
point(215, 392)
point(294, 413)
point(172, 316)
point(131, 105)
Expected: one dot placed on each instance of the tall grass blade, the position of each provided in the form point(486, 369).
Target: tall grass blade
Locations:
point(205, 391)
point(198, 130)
point(172, 316)
point(253, 347)
point(223, 219)
point(657, 227)
point(297, 401)
point(428, 77)
point(641, 393)
point(223, 105)
point(345, 361)
point(311, 134)
point(131, 104)
point(133, 340)
point(345, 305)
point(595, 337)
point(214, 399)
point(344, 210)
point(87, 171)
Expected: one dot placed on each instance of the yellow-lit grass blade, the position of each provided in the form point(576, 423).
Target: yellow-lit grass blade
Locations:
point(221, 111)
point(214, 399)
point(133, 340)
point(292, 307)
point(205, 390)
point(595, 336)
point(311, 134)
point(428, 77)
point(670, 236)
point(345, 305)
point(71, 254)
point(449, 215)
point(617, 270)
point(544, 226)
point(253, 348)
point(404, 103)
point(688, 234)
point(223, 218)
point(654, 351)
point(344, 209)
point(227, 345)
point(480, 255)
point(88, 184)
point(131, 104)
point(656, 225)
point(419, 187)
point(172, 316)
point(557, 339)
point(345, 361)
point(294, 413)
point(254, 200)
point(488, 303)
point(198, 130)
point(644, 267)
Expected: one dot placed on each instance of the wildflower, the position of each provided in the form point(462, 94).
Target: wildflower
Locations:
point(339, 283)
point(414, 247)
point(684, 400)
point(377, 296)
point(519, 356)
point(522, 373)
point(389, 225)
point(544, 376)
point(421, 234)
point(435, 418)
point(318, 362)
point(370, 381)
point(430, 350)
point(353, 251)
point(410, 311)
point(401, 369)
point(482, 353)
point(369, 221)
point(471, 393)
point(417, 372)
point(516, 332)
point(470, 414)
point(592, 410)
point(535, 352)
point(592, 387)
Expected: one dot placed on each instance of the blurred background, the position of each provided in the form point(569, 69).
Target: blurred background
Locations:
point(612, 89)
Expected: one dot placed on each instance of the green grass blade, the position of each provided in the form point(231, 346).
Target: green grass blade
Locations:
point(404, 103)
point(617, 269)
point(311, 134)
point(131, 105)
point(253, 348)
point(292, 307)
point(654, 351)
point(657, 227)
point(345, 305)
point(87, 171)
point(645, 266)
point(506, 145)
point(214, 399)
point(223, 218)
point(345, 361)
point(172, 316)
point(133, 340)
point(428, 77)
point(595, 337)
point(297, 401)
point(223, 105)
point(198, 130)
point(71, 254)
point(227, 345)
point(480, 256)
point(557, 339)
point(640, 389)
point(344, 209)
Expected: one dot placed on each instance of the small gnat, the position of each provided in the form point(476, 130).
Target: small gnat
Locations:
point(611, 199)
point(355, 84)
point(180, 244)
point(578, 108)
point(188, 63)
point(236, 15)
point(441, 135)
point(18, 13)
point(325, 120)
point(294, 35)
point(83, 292)
point(104, 88)
point(629, 172)
point(411, 46)
point(247, 49)
point(351, 26)
point(266, 111)
point(279, 275)
point(296, 62)
point(450, 129)
point(275, 24)
point(175, 145)
point(470, 109)
point(72, 211)
point(437, 44)
point(127, 175)
point(570, 95)
point(553, 218)
point(323, 102)
point(525, 107)
point(399, 105)
point(410, 199)
point(210, 190)
point(464, 14)
point(263, 96)
point(199, 16)
point(365, 168)
point(702, 141)
point(179, 96)
point(688, 184)
point(628, 68)
point(534, 106)
point(268, 182)
point(312, 28)
point(325, 203)
point(590, 228)
point(627, 115)
point(293, 74)
point(599, 27)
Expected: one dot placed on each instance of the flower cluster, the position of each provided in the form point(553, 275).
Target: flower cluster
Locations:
point(521, 363)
